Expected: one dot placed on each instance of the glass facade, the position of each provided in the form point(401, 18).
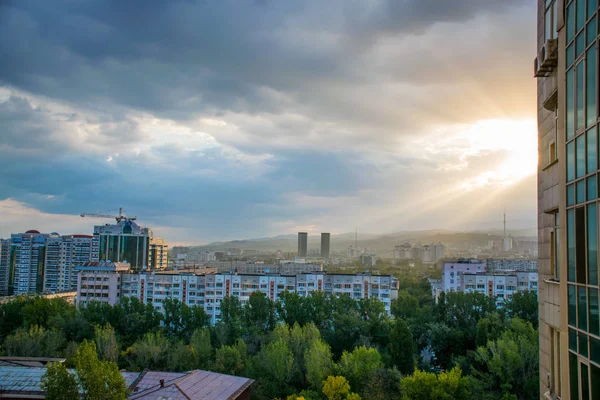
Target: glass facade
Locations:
point(581, 136)
point(131, 248)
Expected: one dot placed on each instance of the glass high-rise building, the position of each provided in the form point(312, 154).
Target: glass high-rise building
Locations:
point(130, 242)
point(568, 193)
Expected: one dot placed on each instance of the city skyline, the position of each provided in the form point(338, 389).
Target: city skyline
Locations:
point(225, 120)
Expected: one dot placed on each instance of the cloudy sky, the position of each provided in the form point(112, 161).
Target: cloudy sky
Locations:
point(227, 119)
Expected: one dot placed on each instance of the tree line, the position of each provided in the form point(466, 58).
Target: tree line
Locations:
point(312, 347)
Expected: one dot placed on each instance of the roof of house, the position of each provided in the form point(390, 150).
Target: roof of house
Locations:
point(196, 384)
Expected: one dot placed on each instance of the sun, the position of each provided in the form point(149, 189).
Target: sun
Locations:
point(516, 138)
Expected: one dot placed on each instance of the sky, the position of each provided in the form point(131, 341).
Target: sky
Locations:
point(218, 120)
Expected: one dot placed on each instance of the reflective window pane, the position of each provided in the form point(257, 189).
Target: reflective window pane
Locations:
point(592, 150)
point(580, 186)
point(570, 104)
point(591, 7)
point(573, 340)
point(583, 344)
point(591, 32)
point(580, 156)
point(591, 86)
point(585, 382)
point(570, 21)
point(570, 55)
point(591, 188)
point(570, 161)
point(595, 381)
point(579, 96)
point(594, 316)
point(571, 246)
point(572, 305)
point(592, 244)
point(580, 14)
point(582, 309)
point(595, 349)
point(570, 195)
point(579, 46)
point(573, 376)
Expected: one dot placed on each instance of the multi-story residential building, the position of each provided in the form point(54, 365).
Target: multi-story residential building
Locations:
point(429, 253)
point(500, 286)
point(291, 268)
point(128, 241)
point(452, 273)
point(209, 290)
point(508, 264)
point(158, 254)
point(368, 259)
point(4, 262)
point(33, 262)
point(75, 250)
point(25, 269)
point(100, 281)
point(566, 66)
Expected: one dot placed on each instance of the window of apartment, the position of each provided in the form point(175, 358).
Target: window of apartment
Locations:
point(499, 287)
point(582, 311)
point(592, 244)
point(580, 244)
point(591, 83)
point(550, 20)
point(593, 311)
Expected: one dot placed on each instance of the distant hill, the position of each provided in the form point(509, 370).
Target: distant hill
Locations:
point(382, 244)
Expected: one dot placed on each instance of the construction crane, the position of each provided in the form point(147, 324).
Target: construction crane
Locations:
point(119, 217)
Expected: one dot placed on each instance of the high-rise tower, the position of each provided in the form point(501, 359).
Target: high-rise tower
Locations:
point(566, 66)
point(325, 243)
point(302, 244)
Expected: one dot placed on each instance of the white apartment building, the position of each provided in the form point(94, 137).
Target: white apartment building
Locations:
point(429, 253)
point(100, 281)
point(209, 290)
point(512, 265)
point(501, 286)
point(452, 273)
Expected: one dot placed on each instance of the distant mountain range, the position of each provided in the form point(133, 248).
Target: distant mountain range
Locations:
point(382, 244)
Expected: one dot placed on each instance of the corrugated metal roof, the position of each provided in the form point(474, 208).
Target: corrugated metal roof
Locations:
point(193, 385)
point(23, 379)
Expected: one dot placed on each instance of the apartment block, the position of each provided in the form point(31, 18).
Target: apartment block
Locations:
point(112, 283)
point(429, 253)
point(500, 286)
point(452, 273)
point(100, 281)
point(566, 68)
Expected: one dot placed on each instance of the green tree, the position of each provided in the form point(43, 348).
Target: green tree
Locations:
point(448, 385)
point(150, 352)
point(180, 357)
point(337, 388)
point(274, 365)
point(405, 306)
point(358, 366)
point(59, 384)
point(402, 347)
point(202, 347)
point(35, 342)
point(181, 320)
point(524, 305)
point(106, 343)
point(490, 328)
point(292, 308)
point(260, 312)
point(228, 360)
point(510, 364)
point(319, 364)
point(232, 315)
point(384, 384)
point(100, 380)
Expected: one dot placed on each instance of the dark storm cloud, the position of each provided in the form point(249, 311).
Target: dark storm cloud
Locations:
point(309, 97)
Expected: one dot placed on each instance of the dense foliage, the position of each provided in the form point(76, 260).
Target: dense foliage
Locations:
point(313, 347)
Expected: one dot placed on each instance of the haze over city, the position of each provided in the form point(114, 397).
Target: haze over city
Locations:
point(242, 119)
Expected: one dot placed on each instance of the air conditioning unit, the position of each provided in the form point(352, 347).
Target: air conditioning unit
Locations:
point(547, 59)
